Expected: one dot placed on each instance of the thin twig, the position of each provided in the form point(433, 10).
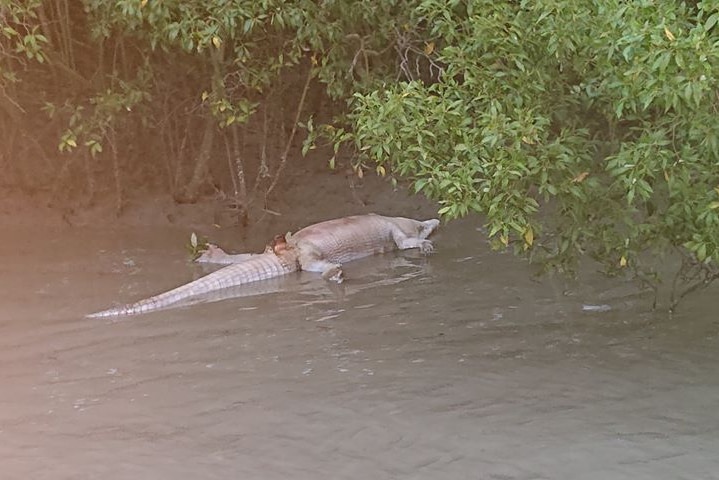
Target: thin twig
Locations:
point(263, 169)
point(117, 172)
point(689, 271)
point(283, 158)
point(692, 288)
point(649, 282)
point(231, 168)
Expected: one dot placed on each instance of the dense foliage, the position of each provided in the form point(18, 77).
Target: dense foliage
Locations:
point(575, 127)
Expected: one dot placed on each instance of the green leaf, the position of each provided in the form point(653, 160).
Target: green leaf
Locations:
point(711, 21)
point(444, 210)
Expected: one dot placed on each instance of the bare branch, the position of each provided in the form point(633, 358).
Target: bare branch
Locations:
point(283, 158)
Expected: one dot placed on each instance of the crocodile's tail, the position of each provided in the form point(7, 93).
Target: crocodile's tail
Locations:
point(259, 267)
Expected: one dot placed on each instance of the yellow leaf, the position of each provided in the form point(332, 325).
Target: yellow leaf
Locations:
point(666, 175)
point(381, 171)
point(143, 3)
point(714, 205)
point(528, 140)
point(529, 236)
point(428, 48)
point(216, 41)
point(504, 239)
point(71, 142)
point(314, 59)
point(360, 173)
point(623, 261)
point(669, 34)
point(580, 178)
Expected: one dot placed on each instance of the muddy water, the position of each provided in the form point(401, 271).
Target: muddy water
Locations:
point(454, 367)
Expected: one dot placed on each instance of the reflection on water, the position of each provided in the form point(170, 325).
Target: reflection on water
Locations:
point(456, 366)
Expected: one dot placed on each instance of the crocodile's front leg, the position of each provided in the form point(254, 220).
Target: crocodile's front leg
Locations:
point(330, 271)
point(404, 242)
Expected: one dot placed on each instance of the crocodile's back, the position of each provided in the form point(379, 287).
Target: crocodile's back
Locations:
point(346, 239)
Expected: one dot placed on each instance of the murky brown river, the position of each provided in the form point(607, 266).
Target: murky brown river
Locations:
point(459, 366)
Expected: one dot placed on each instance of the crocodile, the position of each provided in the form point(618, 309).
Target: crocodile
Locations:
point(323, 247)
point(277, 259)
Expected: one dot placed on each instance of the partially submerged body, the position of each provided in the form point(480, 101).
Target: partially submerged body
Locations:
point(322, 247)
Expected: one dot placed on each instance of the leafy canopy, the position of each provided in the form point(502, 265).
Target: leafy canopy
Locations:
point(576, 127)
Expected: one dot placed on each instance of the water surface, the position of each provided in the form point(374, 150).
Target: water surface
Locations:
point(456, 366)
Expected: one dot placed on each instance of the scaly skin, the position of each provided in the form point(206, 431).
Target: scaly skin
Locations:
point(325, 246)
point(322, 247)
point(259, 267)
